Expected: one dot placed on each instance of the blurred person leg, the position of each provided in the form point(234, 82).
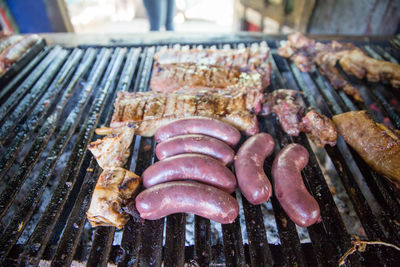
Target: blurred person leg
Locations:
point(153, 10)
point(169, 22)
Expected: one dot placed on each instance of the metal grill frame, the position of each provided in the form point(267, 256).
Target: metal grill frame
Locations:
point(32, 110)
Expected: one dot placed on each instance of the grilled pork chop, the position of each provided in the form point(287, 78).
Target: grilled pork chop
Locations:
point(284, 103)
point(249, 58)
point(219, 69)
point(150, 110)
point(113, 150)
point(188, 76)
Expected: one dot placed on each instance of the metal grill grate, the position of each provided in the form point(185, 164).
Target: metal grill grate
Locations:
point(48, 117)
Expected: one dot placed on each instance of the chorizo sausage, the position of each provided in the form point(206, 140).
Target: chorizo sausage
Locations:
point(290, 190)
point(199, 125)
point(195, 143)
point(249, 168)
point(197, 167)
point(187, 196)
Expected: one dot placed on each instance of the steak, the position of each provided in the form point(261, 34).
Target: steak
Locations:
point(244, 59)
point(151, 110)
point(246, 68)
point(188, 76)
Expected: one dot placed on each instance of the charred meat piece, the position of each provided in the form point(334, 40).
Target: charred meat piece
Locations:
point(320, 128)
point(113, 150)
point(8, 41)
point(114, 190)
point(376, 144)
point(284, 103)
point(188, 76)
point(151, 110)
point(245, 59)
point(15, 51)
point(307, 53)
point(355, 62)
point(248, 60)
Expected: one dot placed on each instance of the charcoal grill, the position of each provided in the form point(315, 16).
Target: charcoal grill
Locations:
point(48, 116)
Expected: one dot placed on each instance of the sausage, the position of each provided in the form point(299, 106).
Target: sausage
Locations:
point(195, 143)
point(249, 168)
point(187, 196)
point(197, 167)
point(199, 125)
point(290, 190)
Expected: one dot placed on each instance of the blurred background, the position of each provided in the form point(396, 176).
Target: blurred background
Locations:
point(367, 17)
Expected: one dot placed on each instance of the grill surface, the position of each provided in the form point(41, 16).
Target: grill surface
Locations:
point(48, 117)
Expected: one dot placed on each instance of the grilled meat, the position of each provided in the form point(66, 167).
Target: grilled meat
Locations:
point(307, 53)
point(357, 63)
point(245, 59)
point(150, 110)
point(284, 103)
point(113, 150)
point(211, 68)
point(188, 76)
point(114, 190)
point(15, 51)
point(376, 144)
point(9, 41)
point(320, 128)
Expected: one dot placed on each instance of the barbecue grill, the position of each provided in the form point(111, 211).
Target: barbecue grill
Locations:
point(49, 112)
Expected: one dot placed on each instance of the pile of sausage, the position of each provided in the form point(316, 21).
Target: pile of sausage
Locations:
point(192, 176)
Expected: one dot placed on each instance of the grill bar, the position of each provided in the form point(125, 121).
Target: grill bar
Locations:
point(174, 253)
point(21, 132)
point(22, 109)
point(19, 178)
point(26, 209)
point(67, 246)
point(33, 77)
point(233, 243)
point(23, 73)
point(36, 93)
point(258, 243)
point(202, 241)
point(43, 229)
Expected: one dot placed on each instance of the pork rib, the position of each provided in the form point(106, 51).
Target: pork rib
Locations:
point(188, 76)
point(150, 110)
point(175, 69)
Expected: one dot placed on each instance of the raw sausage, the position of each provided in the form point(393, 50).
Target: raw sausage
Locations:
point(199, 125)
point(195, 143)
point(187, 196)
point(197, 167)
point(290, 190)
point(249, 168)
